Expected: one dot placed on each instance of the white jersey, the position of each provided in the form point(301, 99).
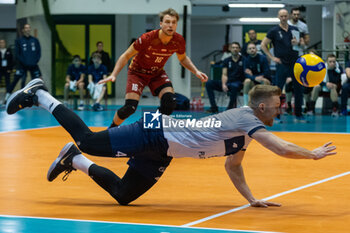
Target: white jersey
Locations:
point(302, 27)
point(234, 135)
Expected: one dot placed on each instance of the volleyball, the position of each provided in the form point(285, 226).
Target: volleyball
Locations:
point(309, 70)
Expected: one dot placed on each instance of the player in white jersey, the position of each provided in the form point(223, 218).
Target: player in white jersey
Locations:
point(151, 150)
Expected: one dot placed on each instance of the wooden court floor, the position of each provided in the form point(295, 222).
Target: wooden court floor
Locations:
point(190, 190)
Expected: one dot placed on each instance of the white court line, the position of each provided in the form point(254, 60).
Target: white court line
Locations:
point(130, 223)
point(29, 129)
point(265, 199)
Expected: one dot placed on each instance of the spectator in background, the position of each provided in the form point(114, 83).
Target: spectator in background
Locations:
point(256, 70)
point(308, 90)
point(283, 39)
point(6, 65)
point(252, 39)
point(304, 33)
point(231, 79)
point(345, 91)
point(28, 53)
point(303, 28)
point(106, 61)
point(96, 72)
point(330, 83)
point(75, 80)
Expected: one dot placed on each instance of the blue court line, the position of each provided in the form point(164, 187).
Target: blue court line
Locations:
point(23, 224)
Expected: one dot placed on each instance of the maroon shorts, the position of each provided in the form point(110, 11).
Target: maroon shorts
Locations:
point(136, 83)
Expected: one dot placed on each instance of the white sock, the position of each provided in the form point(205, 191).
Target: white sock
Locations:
point(245, 99)
point(80, 162)
point(46, 100)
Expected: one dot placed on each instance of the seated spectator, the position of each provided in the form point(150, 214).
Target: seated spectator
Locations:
point(97, 72)
point(106, 61)
point(345, 91)
point(231, 79)
point(252, 39)
point(330, 83)
point(6, 65)
point(75, 80)
point(256, 70)
point(308, 90)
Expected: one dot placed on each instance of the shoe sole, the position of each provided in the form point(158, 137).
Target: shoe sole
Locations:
point(59, 158)
point(31, 83)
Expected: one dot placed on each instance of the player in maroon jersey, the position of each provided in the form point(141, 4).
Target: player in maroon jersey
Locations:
point(151, 51)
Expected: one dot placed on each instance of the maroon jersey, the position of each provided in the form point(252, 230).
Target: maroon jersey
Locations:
point(153, 54)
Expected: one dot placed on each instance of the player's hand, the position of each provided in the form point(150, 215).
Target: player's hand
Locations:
point(277, 60)
point(324, 151)
point(264, 204)
point(260, 79)
point(248, 71)
point(294, 41)
point(110, 78)
point(203, 77)
point(224, 87)
point(330, 85)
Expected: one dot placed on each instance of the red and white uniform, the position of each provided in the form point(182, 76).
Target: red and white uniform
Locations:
point(147, 66)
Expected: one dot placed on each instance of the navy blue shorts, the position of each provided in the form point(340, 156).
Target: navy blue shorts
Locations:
point(147, 149)
point(34, 71)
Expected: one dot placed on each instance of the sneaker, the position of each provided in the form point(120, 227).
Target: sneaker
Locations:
point(212, 110)
point(300, 119)
point(81, 107)
point(335, 114)
point(277, 121)
point(63, 163)
point(99, 108)
point(25, 97)
point(344, 112)
point(289, 111)
point(310, 113)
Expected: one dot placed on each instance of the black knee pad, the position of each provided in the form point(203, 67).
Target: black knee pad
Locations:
point(128, 109)
point(167, 103)
point(289, 87)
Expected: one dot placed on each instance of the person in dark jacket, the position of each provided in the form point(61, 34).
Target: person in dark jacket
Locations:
point(6, 65)
point(331, 83)
point(231, 80)
point(28, 53)
point(106, 61)
point(256, 70)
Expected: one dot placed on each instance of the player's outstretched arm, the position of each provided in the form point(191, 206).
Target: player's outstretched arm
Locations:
point(291, 150)
point(234, 170)
point(122, 61)
point(187, 63)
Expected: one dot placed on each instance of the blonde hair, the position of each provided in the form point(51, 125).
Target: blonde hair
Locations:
point(170, 12)
point(259, 93)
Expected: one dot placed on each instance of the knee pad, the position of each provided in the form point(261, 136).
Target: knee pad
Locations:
point(167, 103)
point(289, 87)
point(128, 109)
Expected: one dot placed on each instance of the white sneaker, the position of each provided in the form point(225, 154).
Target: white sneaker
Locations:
point(310, 113)
point(81, 107)
point(335, 114)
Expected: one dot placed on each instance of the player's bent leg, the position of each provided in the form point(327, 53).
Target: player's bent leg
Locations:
point(141, 175)
point(124, 190)
point(130, 106)
point(167, 103)
point(128, 109)
point(35, 93)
